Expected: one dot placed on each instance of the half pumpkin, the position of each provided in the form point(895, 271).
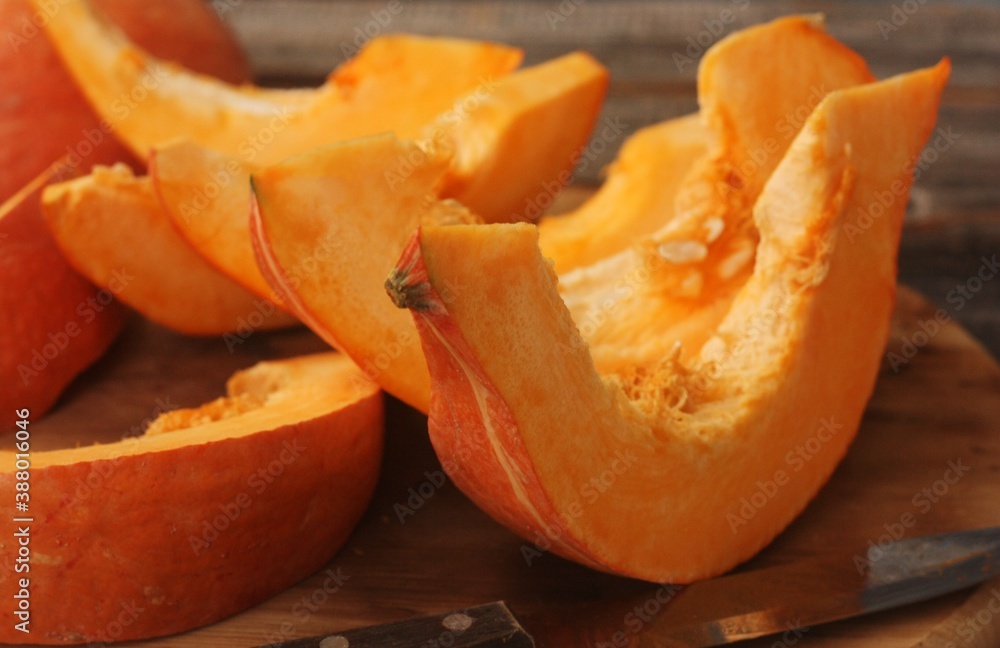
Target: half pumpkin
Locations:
point(212, 510)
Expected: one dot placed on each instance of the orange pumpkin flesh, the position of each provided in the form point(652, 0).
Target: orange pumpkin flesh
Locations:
point(680, 182)
point(336, 200)
point(675, 282)
point(266, 126)
point(110, 224)
point(211, 511)
point(55, 322)
point(639, 190)
point(552, 105)
point(793, 359)
point(548, 109)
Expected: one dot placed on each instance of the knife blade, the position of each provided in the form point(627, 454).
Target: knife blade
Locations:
point(745, 605)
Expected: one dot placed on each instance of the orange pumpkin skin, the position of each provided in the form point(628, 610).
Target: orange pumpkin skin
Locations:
point(44, 114)
point(45, 118)
point(518, 405)
point(55, 322)
point(152, 536)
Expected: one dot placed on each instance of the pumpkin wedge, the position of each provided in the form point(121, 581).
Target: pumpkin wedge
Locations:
point(316, 197)
point(549, 109)
point(678, 469)
point(110, 224)
point(337, 198)
point(55, 322)
point(676, 183)
point(150, 102)
point(212, 510)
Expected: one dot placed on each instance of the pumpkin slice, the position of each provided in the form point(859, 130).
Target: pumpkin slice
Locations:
point(678, 470)
point(640, 190)
point(211, 511)
point(298, 206)
point(55, 322)
point(112, 229)
point(548, 108)
point(337, 198)
point(149, 102)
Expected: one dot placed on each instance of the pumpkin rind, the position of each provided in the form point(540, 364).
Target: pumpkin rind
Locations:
point(208, 513)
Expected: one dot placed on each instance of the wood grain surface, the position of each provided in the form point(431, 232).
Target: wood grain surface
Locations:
point(936, 412)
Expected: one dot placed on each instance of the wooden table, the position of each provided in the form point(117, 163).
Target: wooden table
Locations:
point(451, 555)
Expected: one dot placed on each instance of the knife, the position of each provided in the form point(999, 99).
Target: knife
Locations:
point(787, 599)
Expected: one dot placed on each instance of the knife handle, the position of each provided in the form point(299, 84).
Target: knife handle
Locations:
point(492, 625)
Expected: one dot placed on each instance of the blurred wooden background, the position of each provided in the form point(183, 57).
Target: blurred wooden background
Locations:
point(954, 217)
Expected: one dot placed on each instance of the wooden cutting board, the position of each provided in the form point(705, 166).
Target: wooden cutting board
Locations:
point(934, 410)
